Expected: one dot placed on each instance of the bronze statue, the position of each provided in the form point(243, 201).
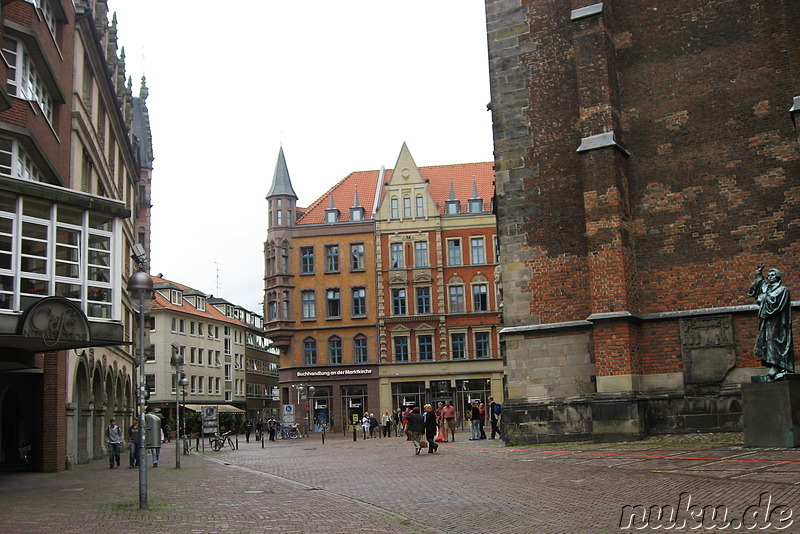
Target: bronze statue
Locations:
point(774, 343)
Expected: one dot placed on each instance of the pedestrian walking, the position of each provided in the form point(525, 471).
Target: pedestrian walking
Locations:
point(133, 442)
point(386, 419)
point(482, 412)
point(272, 428)
point(475, 422)
point(494, 417)
point(248, 428)
point(429, 418)
point(373, 425)
point(259, 429)
point(156, 450)
point(167, 432)
point(365, 425)
point(415, 428)
point(449, 415)
point(114, 440)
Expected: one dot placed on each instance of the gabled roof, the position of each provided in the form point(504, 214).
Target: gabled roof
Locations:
point(464, 178)
point(186, 307)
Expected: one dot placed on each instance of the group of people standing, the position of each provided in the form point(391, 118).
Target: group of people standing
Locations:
point(115, 440)
point(439, 425)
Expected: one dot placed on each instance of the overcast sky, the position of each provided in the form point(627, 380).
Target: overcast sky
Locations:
point(340, 85)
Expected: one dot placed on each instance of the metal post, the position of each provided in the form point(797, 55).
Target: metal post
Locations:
point(142, 388)
point(177, 417)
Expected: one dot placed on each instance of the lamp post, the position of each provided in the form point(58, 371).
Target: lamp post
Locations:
point(140, 287)
point(177, 362)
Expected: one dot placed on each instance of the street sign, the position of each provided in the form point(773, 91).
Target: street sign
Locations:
point(210, 419)
point(288, 414)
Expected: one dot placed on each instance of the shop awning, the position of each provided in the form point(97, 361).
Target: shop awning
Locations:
point(221, 408)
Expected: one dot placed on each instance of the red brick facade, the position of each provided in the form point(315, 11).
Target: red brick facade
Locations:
point(646, 163)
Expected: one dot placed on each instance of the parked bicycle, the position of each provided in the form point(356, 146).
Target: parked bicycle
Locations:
point(291, 432)
point(220, 441)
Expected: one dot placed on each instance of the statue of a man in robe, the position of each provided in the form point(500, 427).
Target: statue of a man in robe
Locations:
point(774, 343)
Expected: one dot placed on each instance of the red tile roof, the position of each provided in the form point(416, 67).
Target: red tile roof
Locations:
point(463, 178)
point(162, 303)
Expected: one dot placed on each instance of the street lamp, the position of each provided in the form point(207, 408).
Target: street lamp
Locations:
point(140, 287)
point(177, 362)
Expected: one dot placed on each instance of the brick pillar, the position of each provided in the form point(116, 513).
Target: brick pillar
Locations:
point(610, 258)
point(54, 416)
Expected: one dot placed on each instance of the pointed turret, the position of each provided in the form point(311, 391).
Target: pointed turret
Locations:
point(281, 197)
point(281, 183)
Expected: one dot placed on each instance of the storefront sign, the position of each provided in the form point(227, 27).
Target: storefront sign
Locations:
point(338, 372)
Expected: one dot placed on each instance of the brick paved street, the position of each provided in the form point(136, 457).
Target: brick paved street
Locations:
point(380, 485)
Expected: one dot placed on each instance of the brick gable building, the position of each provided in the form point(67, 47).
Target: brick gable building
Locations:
point(381, 294)
point(646, 161)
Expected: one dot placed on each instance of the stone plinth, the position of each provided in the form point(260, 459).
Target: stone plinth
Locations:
point(772, 413)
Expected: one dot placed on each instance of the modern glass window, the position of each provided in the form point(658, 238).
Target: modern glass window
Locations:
point(334, 300)
point(309, 352)
point(477, 247)
point(425, 347)
point(454, 257)
point(420, 206)
point(456, 294)
point(482, 346)
point(397, 256)
point(401, 349)
point(395, 208)
point(306, 260)
point(332, 258)
point(458, 344)
point(308, 304)
point(423, 300)
point(398, 301)
point(480, 297)
point(48, 249)
point(335, 350)
point(359, 301)
point(357, 262)
point(420, 254)
point(360, 352)
point(406, 207)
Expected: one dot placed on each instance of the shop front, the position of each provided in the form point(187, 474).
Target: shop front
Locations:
point(329, 398)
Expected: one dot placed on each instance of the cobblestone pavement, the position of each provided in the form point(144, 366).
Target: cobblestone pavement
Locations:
point(379, 485)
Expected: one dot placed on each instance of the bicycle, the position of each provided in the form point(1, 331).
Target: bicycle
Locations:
point(218, 442)
point(290, 432)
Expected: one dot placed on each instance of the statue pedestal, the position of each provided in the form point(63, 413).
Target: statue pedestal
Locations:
point(771, 412)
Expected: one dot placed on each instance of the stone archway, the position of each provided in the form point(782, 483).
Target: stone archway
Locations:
point(98, 410)
point(82, 416)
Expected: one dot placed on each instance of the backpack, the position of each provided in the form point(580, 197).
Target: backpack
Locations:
point(497, 408)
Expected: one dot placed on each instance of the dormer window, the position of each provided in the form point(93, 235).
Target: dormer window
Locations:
point(201, 303)
point(475, 205)
point(176, 297)
point(331, 215)
point(453, 207)
point(357, 214)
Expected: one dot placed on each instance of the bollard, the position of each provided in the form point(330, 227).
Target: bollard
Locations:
point(355, 437)
point(323, 435)
point(237, 442)
point(262, 440)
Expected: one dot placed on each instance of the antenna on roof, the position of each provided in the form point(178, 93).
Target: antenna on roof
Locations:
point(216, 265)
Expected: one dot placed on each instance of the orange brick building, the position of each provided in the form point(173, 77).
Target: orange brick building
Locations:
point(364, 301)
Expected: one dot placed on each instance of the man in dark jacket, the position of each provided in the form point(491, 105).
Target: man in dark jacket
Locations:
point(430, 428)
point(415, 428)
